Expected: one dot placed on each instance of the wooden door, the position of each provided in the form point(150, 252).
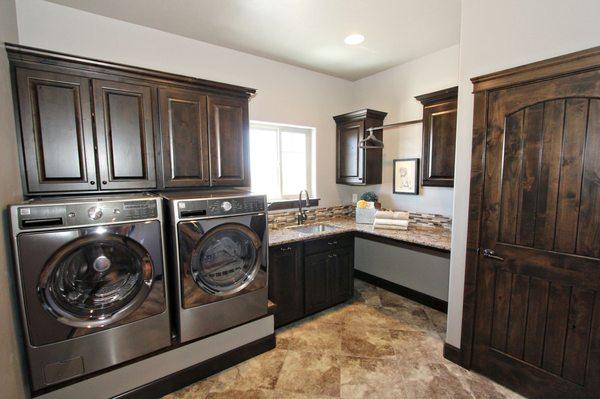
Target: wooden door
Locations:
point(229, 141)
point(537, 323)
point(341, 268)
point(316, 282)
point(286, 282)
point(56, 131)
point(125, 135)
point(439, 139)
point(350, 158)
point(184, 130)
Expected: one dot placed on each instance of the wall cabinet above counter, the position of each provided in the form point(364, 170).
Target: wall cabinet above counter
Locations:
point(86, 125)
point(439, 137)
point(356, 166)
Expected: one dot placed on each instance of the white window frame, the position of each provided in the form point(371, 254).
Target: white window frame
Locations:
point(310, 152)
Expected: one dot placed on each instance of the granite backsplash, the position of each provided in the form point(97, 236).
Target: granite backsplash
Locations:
point(286, 218)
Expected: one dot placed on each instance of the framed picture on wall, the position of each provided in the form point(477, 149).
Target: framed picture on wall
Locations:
point(406, 176)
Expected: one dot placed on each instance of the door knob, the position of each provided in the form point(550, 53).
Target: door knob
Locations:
point(490, 253)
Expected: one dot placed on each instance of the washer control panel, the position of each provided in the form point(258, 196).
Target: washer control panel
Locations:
point(79, 214)
point(221, 206)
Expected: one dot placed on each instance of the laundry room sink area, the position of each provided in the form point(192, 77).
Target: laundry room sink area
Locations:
point(313, 228)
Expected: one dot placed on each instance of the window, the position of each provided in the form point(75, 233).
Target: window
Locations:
point(281, 160)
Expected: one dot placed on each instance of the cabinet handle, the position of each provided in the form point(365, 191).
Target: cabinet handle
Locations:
point(285, 249)
point(332, 255)
point(332, 242)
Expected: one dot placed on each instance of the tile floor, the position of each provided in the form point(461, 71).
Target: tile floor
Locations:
point(379, 345)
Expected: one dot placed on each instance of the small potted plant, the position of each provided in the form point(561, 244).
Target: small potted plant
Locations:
point(370, 196)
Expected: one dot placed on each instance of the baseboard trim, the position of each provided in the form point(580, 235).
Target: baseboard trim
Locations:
point(185, 377)
point(452, 353)
point(406, 292)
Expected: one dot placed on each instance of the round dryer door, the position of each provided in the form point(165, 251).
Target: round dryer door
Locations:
point(226, 259)
point(96, 280)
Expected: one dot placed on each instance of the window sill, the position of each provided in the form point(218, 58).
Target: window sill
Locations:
point(290, 204)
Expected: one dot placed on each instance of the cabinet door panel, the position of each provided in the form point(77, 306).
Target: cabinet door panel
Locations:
point(316, 282)
point(125, 135)
point(350, 163)
point(286, 282)
point(341, 271)
point(229, 141)
point(56, 128)
point(184, 138)
point(439, 137)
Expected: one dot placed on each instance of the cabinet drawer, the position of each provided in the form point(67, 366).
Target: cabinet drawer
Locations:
point(328, 243)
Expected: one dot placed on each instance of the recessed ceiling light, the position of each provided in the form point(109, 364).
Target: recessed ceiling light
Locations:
point(353, 39)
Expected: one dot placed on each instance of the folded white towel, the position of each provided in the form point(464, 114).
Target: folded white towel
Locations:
point(389, 227)
point(392, 215)
point(393, 222)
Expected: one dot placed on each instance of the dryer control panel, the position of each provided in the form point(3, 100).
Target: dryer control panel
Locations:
point(220, 206)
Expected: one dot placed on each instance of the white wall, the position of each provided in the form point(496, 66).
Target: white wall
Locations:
point(496, 35)
point(393, 91)
point(422, 271)
point(11, 378)
point(286, 94)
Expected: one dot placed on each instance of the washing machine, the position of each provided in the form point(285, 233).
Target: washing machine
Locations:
point(220, 244)
point(91, 281)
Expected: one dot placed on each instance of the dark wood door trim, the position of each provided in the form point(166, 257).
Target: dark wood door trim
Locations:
point(564, 66)
point(553, 67)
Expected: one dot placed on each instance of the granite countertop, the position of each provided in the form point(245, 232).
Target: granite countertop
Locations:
point(434, 237)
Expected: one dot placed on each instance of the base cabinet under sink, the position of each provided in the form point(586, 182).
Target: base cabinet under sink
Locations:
point(307, 277)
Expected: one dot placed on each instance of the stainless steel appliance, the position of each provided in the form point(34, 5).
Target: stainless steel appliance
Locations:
point(220, 242)
point(91, 283)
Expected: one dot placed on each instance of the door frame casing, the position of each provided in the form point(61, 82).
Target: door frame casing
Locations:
point(565, 65)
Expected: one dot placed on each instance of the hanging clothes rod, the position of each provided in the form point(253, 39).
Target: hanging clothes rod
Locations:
point(397, 124)
point(378, 144)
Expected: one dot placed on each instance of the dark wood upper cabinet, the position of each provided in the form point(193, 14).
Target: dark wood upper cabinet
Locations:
point(86, 125)
point(439, 137)
point(354, 165)
point(56, 131)
point(184, 127)
point(228, 128)
point(125, 135)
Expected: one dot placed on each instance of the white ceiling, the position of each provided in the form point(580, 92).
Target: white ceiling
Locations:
point(306, 33)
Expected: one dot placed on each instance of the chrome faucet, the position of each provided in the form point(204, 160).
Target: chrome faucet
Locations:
point(301, 212)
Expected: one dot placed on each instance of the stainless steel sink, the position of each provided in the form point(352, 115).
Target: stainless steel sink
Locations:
point(313, 228)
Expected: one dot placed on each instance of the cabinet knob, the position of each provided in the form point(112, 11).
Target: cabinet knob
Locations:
point(104, 182)
point(92, 182)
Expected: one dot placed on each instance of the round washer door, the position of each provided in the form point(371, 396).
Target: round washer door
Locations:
point(226, 259)
point(96, 280)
